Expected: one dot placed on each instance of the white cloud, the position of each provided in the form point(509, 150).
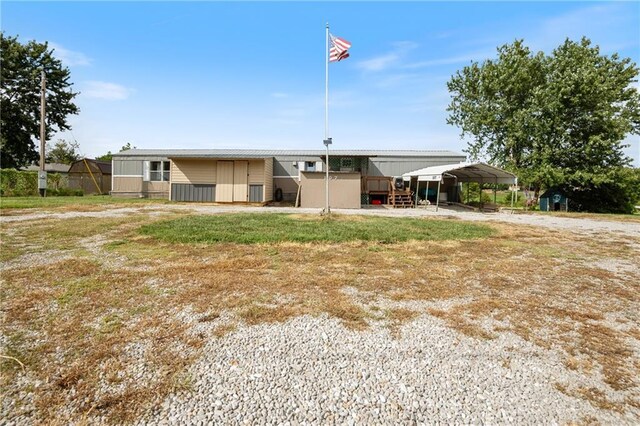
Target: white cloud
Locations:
point(70, 57)
point(379, 62)
point(387, 60)
point(105, 90)
point(457, 59)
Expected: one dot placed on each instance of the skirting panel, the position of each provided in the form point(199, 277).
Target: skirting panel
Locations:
point(193, 192)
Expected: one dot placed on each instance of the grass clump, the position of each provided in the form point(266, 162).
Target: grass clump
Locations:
point(275, 228)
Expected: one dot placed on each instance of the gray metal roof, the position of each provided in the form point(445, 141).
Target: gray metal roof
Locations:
point(50, 167)
point(266, 153)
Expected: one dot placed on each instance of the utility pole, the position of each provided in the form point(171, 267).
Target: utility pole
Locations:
point(42, 174)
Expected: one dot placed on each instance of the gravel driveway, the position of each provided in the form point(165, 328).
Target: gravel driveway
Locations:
point(314, 371)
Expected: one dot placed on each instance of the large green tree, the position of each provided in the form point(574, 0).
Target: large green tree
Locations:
point(555, 120)
point(63, 152)
point(22, 65)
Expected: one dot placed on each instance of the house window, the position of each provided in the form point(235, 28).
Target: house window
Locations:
point(310, 166)
point(346, 164)
point(159, 171)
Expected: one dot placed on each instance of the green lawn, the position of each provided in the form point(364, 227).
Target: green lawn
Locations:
point(69, 202)
point(272, 228)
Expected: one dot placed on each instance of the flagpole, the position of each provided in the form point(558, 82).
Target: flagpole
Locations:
point(327, 139)
point(326, 86)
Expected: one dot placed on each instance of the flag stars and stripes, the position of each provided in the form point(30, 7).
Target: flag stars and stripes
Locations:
point(339, 48)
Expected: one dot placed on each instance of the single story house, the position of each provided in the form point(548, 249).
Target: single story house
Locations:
point(260, 176)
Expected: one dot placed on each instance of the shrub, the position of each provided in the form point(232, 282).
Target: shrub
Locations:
point(18, 183)
point(23, 183)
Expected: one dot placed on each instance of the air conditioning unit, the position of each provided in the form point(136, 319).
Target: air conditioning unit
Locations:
point(398, 182)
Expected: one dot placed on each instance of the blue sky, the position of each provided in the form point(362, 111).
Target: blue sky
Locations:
point(251, 75)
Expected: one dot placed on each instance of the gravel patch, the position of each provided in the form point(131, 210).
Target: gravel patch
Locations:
point(312, 370)
point(577, 225)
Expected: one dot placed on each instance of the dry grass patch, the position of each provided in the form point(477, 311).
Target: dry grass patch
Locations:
point(595, 396)
point(224, 329)
point(397, 317)
point(258, 314)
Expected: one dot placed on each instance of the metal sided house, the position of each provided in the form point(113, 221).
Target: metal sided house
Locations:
point(260, 176)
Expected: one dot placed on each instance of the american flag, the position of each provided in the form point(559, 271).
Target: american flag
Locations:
point(338, 50)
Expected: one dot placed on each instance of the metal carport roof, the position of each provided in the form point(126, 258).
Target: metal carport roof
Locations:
point(464, 172)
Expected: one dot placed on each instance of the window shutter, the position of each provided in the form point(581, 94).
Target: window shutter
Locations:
point(318, 166)
point(146, 174)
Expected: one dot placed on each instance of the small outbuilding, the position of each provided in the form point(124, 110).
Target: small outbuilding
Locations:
point(91, 176)
point(554, 200)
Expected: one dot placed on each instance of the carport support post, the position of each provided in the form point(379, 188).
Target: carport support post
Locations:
point(512, 197)
point(438, 196)
point(426, 196)
point(417, 188)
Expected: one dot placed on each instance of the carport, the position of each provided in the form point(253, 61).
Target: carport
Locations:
point(461, 172)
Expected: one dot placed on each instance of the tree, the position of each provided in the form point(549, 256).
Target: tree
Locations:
point(108, 156)
point(22, 65)
point(63, 152)
point(556, 120)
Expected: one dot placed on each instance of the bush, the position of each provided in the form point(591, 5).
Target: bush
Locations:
point(23, 183)
point(18, 183)
point(619, 195)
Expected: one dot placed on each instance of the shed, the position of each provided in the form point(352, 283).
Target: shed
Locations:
point(554, 200)
point(91, 176)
